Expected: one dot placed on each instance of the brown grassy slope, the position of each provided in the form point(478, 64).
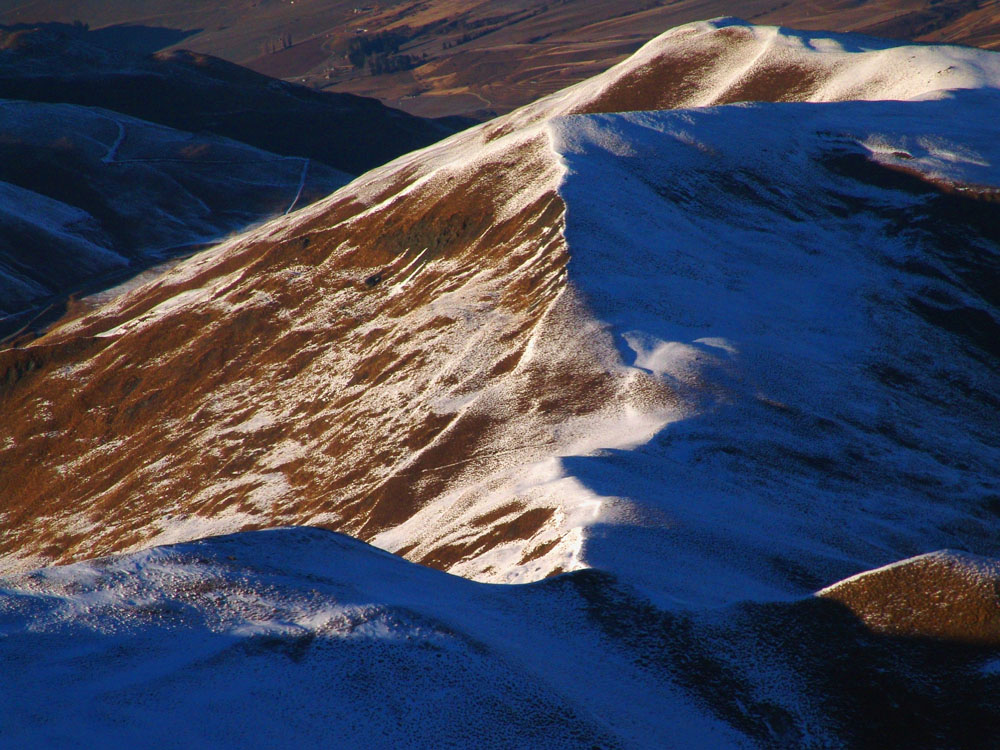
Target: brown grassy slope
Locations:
point(286, 395)
point(943, 595)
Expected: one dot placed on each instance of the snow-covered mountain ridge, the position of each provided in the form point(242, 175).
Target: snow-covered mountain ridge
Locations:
point(701, 362)
point(458, 355)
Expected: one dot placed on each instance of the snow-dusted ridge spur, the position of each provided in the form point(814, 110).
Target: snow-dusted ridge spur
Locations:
point(724, 355)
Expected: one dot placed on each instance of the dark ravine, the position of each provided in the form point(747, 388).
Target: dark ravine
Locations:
point(93, 197)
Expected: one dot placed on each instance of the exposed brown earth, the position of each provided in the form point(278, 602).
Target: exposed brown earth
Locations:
point(948, 596)
point(357, 456)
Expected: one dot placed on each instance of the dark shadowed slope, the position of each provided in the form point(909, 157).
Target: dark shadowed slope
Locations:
point(91, 196)
point(196, 93)
point(96, 195)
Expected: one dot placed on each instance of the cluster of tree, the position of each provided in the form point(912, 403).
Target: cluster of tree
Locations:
point(362, 49)
point(378, 64)
point(484, 26)
point(378, 53)
point(467, 37)
point(279, 43)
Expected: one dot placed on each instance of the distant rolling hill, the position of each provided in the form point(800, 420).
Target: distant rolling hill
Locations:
point(196, 93)
point(444, 57)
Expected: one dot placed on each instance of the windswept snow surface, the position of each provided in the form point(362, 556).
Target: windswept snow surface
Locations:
point(728, 59)
point(788, 272)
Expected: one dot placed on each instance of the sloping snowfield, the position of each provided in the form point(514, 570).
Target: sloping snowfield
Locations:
point(817, 287)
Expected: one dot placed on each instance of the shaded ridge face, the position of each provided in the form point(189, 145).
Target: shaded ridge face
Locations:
point(830, 276)
point(458, 356)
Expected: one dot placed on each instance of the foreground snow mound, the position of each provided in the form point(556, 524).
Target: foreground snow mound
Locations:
point(301, 637)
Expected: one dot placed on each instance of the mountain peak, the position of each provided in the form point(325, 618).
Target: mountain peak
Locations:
point(455, 356)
